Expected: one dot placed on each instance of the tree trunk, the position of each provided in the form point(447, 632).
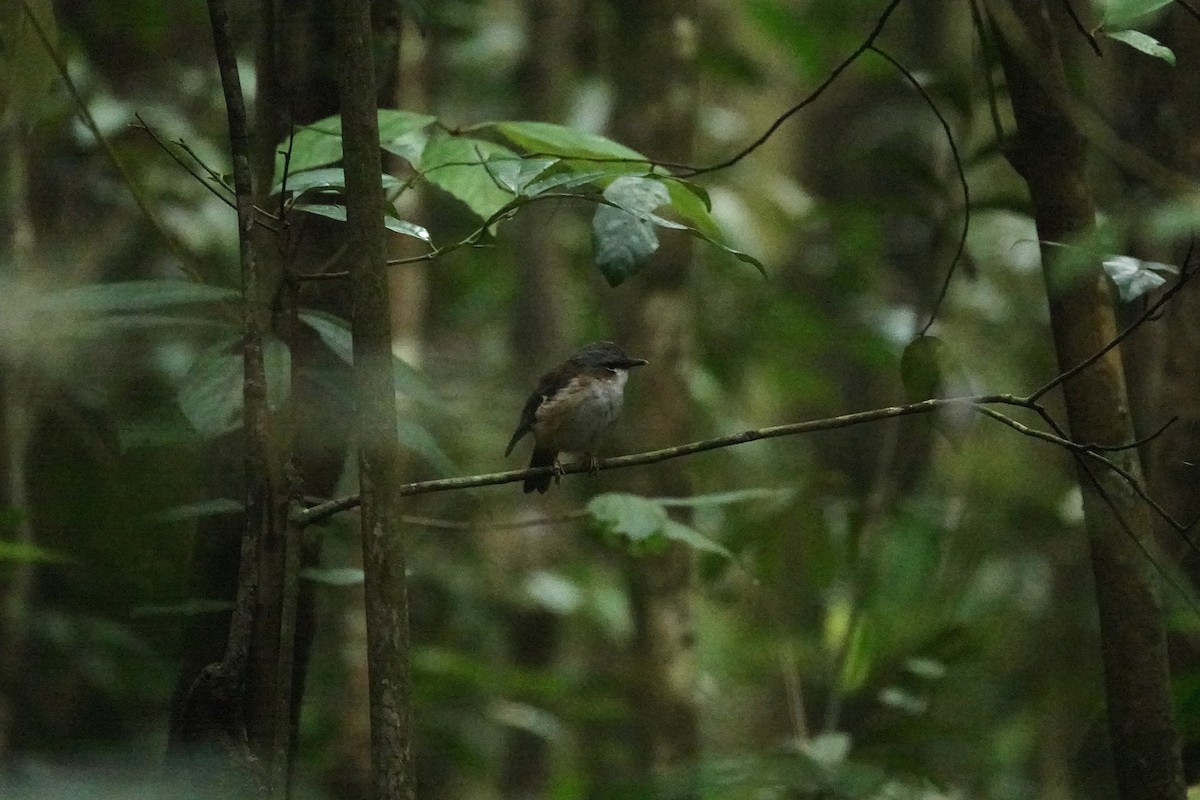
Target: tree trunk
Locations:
point(1049, 154)
point(384, 586)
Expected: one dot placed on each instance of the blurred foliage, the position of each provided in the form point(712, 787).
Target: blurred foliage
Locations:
point(881, 612)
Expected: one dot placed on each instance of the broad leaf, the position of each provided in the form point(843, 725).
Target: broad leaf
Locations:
point(645, 524)
point(188, 608)
point(327, 178)
point(1143, 42)
point(624, 231)
point(693, 205)
point(545, 138)
point(515, 174)
point(336, 335)
point(458, 164)
point(130, 296)
point(1134, 277)
point(1117, 14)
point(211, 393)
point(320, 143)
point(390, 220)
point(726, 498)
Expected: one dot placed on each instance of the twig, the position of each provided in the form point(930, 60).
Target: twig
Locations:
point(176, 248)
point(1079, 26)
point(962, 180)
point(327, 509)
point(812, 97)
point(1185, 275)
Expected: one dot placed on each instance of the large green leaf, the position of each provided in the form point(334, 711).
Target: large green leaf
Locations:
point(1117, 14)
point(458, 164)
point(393, 223)
point(326, 178)
point(692, 205)
point(336, 334)
point(320, 143)
point(545, 138)
point(130, 296)
point(211, 393)
point(645, 526)
point(624, 229)
point(1143, 42)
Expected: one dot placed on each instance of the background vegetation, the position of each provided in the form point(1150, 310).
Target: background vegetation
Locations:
point(900, 608)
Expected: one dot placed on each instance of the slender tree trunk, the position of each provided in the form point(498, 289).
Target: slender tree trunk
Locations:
point(383, 543)
point(1049, 153)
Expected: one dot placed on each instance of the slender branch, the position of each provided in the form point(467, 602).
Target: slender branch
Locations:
point(962, 180)
point(327, 509)
point(1185, 275)
point(1079, 26)
point(812, 97)
point(177, 249)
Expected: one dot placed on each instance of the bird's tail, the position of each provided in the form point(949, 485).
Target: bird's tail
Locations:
point(541, 458)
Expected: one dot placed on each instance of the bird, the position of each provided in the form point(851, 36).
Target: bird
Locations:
point(573, 408)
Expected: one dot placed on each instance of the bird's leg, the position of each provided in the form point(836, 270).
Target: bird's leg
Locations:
point(593, 464)
point(558, 471)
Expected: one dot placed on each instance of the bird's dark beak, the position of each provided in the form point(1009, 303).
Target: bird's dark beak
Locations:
point(629, 363)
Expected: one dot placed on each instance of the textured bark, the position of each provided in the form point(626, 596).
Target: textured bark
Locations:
point(1049, 153)
point(383, 546)
point(230, 706)
point(655, 64)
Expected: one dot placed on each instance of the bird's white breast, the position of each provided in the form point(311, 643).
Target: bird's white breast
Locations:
point(581, 413)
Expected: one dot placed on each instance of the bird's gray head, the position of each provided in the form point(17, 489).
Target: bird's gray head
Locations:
point(605, 354)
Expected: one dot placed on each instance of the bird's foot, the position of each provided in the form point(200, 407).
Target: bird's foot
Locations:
point(558, 471)
point(593, 464)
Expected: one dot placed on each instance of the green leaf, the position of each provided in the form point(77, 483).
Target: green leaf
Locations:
point(336, 211)
point(726, 498)
point(515, 174)
point(129, 296)
point(545, 138)
point(645, 524)
point(417, 439)
point(1143, 42)
point(1116, 14)
point(211, 393)
point(457, 164)
point(563, 181)
point(623, 234)
point(396, 124)
point(206, 508)
point(678, 532)
point(1134, 277)
point(327, 178)
point(336, 335)
point(314, 145)
point(187, 608)
point(320, 143)
point(333, 576)
point(28, 553)
point(693, 205)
